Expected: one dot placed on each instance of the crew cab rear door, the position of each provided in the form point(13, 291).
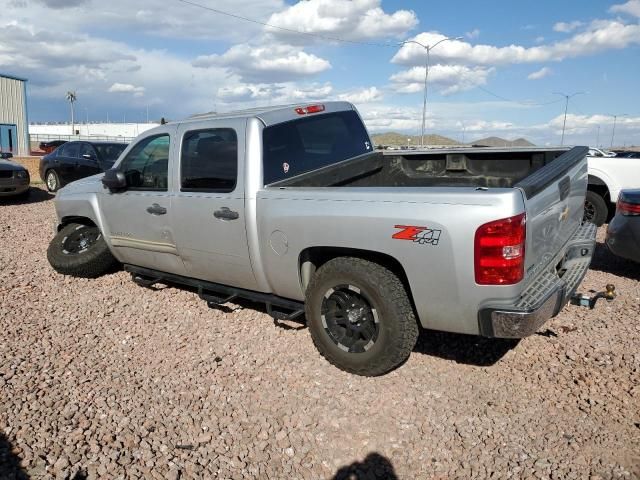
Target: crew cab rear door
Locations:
point(554, 202)
point(209, 202)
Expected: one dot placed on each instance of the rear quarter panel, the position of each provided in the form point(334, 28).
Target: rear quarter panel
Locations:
point(441, 275)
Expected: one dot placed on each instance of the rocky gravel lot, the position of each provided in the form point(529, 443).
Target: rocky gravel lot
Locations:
point(105, 379)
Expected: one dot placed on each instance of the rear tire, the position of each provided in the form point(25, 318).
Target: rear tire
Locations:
point(80, 251)
point(52, 181)
point(595, 209)
point(360, 317)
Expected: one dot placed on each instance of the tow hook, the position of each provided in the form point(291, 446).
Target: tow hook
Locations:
point(590, 301)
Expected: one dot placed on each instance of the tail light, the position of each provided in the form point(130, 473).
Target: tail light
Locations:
point(499, 251)
point(310, 109)
point(627, 209)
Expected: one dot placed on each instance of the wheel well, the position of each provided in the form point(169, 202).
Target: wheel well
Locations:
point(598, 186)
point(313, 258)
point(81, 220)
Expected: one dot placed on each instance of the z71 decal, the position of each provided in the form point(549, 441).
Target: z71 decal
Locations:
point(421, 235)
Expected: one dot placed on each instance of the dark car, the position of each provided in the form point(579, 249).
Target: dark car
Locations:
point(623, 233)
point(75, 160)
point(48, 147)
point(6, 155)
point(14, 179)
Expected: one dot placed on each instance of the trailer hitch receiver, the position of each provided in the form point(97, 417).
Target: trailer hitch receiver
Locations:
point(590, 300)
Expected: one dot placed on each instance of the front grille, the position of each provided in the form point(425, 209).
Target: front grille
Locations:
point(6, 173)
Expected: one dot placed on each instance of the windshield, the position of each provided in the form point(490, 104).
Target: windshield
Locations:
point(109, 152)
point(306, 144)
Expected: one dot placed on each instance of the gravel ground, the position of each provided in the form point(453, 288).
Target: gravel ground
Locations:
point(105, 379)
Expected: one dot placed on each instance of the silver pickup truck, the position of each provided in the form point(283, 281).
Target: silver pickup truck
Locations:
point(291, 206)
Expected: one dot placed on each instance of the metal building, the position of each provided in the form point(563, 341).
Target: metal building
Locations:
point(14, 125)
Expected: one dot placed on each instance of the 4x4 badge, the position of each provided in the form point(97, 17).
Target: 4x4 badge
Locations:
point(421, 235)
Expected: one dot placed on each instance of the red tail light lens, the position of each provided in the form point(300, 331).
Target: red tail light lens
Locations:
point(499, 251)
point(310, 109)
point(627, 209)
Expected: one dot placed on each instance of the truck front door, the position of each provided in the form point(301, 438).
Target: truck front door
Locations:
point(139, 218)
point(208, 204)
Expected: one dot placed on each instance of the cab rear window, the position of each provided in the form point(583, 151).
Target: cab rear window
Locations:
point(306, 144)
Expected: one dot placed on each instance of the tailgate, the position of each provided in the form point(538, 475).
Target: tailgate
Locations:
point(554, 203)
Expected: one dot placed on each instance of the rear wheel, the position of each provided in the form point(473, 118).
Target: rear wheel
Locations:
point(52, 180)
point(80, 251)
point(595, 209)
point(360, 317)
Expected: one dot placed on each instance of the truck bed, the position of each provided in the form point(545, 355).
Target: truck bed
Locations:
point(469, 167)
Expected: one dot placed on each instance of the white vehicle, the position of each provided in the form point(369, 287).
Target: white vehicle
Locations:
point(607, 176)
point(596, 152)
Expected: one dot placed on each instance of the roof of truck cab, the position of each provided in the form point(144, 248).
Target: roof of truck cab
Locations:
point(271, 115)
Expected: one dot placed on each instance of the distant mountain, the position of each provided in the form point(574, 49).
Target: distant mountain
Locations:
point(501, 142)
point(395, 138)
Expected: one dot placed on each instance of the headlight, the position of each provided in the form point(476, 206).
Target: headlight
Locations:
point(23, 174)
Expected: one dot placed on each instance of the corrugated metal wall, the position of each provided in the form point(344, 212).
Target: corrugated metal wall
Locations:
point(13, 110)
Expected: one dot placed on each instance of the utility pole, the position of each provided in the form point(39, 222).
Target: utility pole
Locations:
point(613, 132)
point(427, 49)
point(566, 107)
point(71, 98)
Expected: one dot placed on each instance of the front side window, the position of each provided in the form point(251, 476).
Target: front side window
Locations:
point(146, 166)
point(209, 161)
point(306, 144)
point(87, 149)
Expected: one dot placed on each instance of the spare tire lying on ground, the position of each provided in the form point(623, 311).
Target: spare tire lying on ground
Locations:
point(80, 250)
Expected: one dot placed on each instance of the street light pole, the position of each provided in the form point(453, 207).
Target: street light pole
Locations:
point(613, 133)
point(427, 49)
point(566, 107)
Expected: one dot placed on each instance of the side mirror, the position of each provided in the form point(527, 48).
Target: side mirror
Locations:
point(114, 180)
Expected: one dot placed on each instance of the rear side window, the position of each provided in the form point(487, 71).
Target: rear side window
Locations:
point(146, 166)
point(70, 149)
point(209, 160)
point(109, 152)
point(306, 144)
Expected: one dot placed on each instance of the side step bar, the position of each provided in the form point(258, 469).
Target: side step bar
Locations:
point(216, 294)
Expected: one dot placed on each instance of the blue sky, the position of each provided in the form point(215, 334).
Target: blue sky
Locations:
point(177, 59)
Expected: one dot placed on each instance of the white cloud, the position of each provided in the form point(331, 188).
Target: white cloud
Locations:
point(599, 36)
point(351, 20)
point(268, 94)
point(473, 34)
point(268, 63)
point(538, 74)
point(632, 7)
point(567, 27)
point(126, 88)
point(167, 19)
point(449, 78)
point(363, 95)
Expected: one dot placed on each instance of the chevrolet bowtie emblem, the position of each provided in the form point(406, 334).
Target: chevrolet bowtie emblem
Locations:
point(565, 214)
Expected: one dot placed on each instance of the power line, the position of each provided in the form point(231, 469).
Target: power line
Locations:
point(527, 104)
point(290, 30)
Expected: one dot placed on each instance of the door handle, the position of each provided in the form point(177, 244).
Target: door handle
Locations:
point(226, 214)
point(156, 209)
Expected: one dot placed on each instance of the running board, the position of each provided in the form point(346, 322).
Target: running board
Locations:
point(216, 294)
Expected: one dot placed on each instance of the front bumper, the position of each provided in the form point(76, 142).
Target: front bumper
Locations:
point(546, 294)
point(11, 186)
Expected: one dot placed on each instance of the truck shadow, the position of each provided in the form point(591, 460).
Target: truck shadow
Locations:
point(605, 261)
point(465, 349)
point(374, 466)
point(10, 468)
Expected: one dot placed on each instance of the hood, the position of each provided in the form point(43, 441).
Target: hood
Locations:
point(9, 165)
point(92, 184)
